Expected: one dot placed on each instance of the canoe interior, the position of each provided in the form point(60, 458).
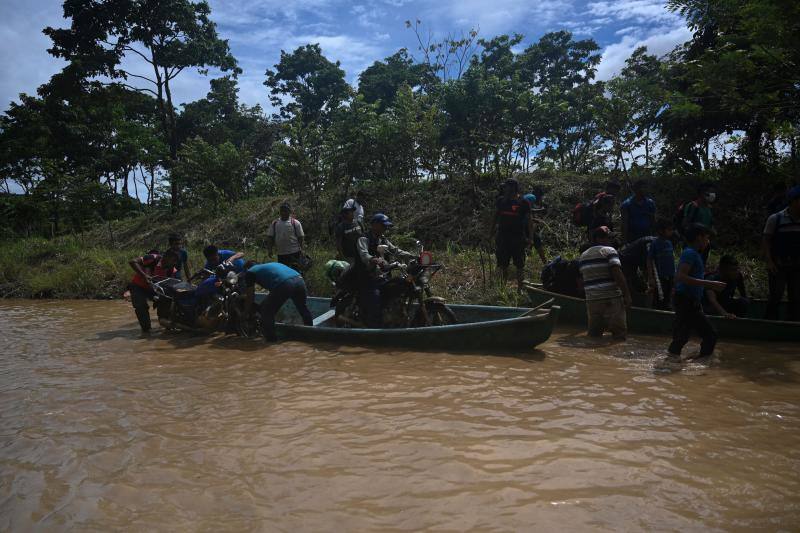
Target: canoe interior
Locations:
point(465, 313)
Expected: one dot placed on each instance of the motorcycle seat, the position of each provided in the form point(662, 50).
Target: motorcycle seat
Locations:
point(181, 290)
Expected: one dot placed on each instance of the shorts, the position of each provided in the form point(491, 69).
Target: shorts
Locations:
point(510, 247)
point(608, 314)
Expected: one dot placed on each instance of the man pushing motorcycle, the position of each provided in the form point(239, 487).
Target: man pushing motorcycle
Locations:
point(371, 267)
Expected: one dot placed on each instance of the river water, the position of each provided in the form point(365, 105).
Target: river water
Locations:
point(101, 429)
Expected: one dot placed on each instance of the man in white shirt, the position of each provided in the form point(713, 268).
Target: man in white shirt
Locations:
point(357, 203)
point(286, 234)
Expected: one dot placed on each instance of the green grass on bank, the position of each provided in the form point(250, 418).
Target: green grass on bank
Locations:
point(71, 267)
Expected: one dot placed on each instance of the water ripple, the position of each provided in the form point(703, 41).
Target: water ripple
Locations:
point(102, 428)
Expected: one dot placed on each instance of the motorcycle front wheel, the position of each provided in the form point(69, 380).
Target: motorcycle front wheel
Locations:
point(439, 314)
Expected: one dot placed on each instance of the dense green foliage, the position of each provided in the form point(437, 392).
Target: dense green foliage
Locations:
point(98, 137)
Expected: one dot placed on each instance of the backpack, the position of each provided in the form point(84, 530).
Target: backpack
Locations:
point(561, 276)
point(582, 213)
point(679, 221)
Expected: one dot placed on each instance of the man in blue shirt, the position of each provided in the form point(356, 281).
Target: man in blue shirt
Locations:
point(215, 257)
point(689, 287)
point(661, 266)
point(282, 282)
point(638, 214)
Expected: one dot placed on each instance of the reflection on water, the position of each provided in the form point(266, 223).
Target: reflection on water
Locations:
point(101, 428)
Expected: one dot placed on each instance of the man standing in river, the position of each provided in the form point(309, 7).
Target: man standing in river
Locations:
point(607, 294)
point(148, 268)
point(688, 302)
point(283, 283)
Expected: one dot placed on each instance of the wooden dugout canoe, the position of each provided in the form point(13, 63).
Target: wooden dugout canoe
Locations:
point(479, 329)
point(655, 322)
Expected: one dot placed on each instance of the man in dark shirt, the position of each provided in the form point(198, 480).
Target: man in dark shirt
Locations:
point(510, 229)
point(725, 303)
point(347, 233)
point(601, 208)
point(634, 262)
point(182, 267)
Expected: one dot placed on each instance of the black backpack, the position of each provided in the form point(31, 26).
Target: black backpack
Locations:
point(561, 276)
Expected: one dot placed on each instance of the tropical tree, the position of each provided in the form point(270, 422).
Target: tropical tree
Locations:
point(146, 44)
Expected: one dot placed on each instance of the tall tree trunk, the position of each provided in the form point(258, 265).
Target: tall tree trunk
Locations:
point(754, 134)
point(173, 141)
point(125, 176)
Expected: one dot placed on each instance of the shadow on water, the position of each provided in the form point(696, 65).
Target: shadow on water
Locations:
point(121, 333)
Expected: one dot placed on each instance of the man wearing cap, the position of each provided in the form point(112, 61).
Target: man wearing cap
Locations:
point(347, 233)
point(370, 266)
point(511, 223)
point(607, 294)
point(781, 246)
point(286, 234)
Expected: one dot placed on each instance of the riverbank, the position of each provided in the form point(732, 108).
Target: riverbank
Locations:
point(452, 219)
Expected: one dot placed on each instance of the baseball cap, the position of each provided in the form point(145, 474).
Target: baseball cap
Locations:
point(381, 218)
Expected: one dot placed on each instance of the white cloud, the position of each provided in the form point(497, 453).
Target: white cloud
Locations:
point(354, 54)
point(24, 60)
point(628, 30)
point(659, 42)
point(498, 16)
point(642, 11)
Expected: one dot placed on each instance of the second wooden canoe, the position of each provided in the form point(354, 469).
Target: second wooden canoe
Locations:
point(655, 322)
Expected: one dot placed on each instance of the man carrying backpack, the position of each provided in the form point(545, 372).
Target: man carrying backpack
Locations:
point(286, 234)
point(698, 211)
point(511, 220)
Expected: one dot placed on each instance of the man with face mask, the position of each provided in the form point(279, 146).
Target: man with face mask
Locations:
point(698, 211)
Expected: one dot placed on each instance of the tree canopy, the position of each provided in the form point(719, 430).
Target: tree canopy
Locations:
point(104, 136)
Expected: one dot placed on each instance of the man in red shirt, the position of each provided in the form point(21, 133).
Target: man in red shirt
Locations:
point(147, 268)
point(510, 230)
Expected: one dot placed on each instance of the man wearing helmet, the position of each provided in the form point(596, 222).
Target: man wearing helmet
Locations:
point(371, 267)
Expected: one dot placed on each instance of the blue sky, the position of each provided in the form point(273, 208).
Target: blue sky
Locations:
point(356, 33)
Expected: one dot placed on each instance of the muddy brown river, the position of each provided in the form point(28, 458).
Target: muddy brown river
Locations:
point(102, 429)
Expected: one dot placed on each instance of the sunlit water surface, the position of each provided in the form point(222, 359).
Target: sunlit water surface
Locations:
point(101, 429)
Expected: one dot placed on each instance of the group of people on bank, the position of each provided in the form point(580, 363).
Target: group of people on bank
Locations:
point(640, 258)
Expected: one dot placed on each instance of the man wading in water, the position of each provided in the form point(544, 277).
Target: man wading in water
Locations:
point(688, 302)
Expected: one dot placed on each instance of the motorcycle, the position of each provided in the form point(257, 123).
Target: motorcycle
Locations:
point(215, 304)
point(407, 299)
